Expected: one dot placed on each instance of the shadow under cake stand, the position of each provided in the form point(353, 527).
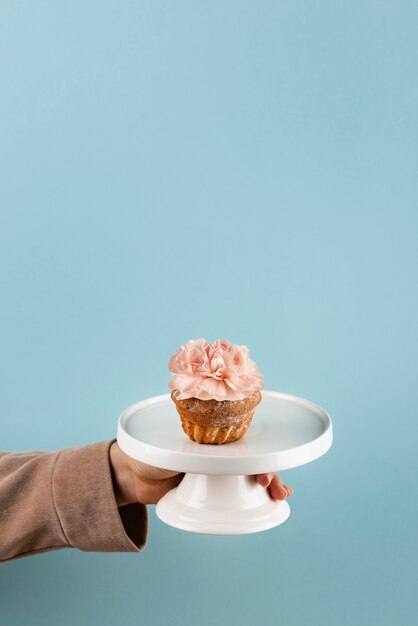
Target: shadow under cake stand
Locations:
point(218, 494)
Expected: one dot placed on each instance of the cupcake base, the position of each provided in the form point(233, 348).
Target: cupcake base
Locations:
point(216, 422)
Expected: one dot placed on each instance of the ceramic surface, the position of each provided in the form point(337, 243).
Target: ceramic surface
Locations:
point(286, 431)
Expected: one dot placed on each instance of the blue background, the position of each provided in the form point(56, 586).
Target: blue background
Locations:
point(246, 170)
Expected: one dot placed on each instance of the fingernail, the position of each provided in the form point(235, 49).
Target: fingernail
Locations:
point(261, 480)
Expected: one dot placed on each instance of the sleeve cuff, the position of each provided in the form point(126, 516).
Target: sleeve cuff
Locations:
point(86, 506)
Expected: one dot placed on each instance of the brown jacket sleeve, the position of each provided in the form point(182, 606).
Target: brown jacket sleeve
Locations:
point(51, 500)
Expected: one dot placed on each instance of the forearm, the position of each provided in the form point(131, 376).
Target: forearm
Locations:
point(69, 498)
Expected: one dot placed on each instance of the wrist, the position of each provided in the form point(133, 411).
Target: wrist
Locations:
point(122, 477)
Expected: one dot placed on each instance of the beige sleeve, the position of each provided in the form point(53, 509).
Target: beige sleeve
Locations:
point(51, 500)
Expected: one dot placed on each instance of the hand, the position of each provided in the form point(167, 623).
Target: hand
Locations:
point(135, 481)
point(277, 489)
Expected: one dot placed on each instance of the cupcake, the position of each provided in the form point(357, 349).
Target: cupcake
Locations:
point(216, 388)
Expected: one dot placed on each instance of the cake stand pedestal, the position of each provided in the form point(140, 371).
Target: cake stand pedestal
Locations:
point(219, 494)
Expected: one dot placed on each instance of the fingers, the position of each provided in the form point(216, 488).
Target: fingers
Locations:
point(277, 489)
point(264, 479)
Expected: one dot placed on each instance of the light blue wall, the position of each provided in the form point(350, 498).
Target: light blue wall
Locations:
point(245, 170)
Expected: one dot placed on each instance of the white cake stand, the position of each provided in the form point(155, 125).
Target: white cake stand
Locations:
point(218, 494)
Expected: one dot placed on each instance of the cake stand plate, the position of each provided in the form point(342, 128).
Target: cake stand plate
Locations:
point(218, 494)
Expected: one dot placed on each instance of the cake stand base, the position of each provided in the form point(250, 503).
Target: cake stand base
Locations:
point(221, 505)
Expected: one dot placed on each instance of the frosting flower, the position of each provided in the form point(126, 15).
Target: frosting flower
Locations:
point(213, 371)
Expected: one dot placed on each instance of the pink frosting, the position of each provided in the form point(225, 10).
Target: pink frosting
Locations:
point(213, 371)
